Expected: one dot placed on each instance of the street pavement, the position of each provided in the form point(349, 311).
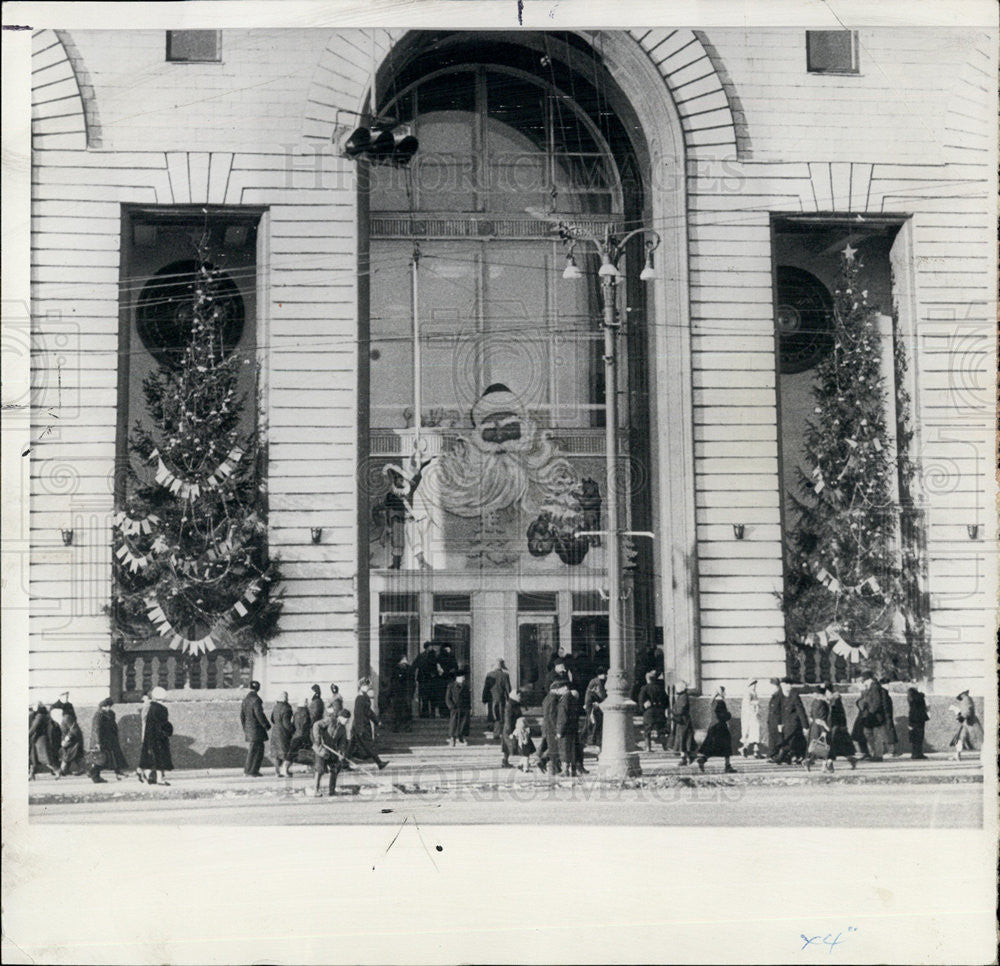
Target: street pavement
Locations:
point(466, 785)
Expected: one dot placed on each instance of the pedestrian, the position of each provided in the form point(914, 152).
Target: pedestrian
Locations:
point(511, 712)
point(458, 699)
point(521, 743)
point(255, 728)
point(301, 732)
point(871, 713)
point(401, 695)
point(750, 721)
point(336, 699)
point(794, 726)
point(155, 759)
point(858, 728)
point(425, 673)
point(653, 703)
point(594, 716)
point(568, 729)
point(316, 707)
point(499, 681)
point(71, 756)
point(548, 751)
point(363, 724)
point(818, 748)
point(39, 744)
point(891, 737)
point(140, 772)
point(917, 718)
point(718, 741)
point(969, 735)
point(774, 719)
point(841, 745)
point(330, 746)
point(559, 670)
point(105, 746)
point(682, 735)
point(281, 736)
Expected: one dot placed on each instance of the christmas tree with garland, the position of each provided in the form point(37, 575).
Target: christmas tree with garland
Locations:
point(191, 561)
point(844, 590)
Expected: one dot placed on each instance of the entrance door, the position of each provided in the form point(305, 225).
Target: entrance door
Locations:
point(537, 642)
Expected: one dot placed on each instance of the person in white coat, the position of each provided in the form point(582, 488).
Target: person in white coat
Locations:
point(750, 721)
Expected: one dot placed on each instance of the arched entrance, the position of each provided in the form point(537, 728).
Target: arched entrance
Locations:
point(482, 364)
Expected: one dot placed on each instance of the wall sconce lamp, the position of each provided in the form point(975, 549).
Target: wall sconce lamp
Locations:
point(67, 536)
point(316, 533)
point(739, 530)
point(973, 529)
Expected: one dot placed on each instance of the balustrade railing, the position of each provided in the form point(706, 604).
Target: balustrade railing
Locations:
point(221, 670)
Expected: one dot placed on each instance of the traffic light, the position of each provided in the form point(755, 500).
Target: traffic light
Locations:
point(382, 145)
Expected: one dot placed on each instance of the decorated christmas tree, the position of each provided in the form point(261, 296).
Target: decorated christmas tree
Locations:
point(190, 543)
point(844, 591)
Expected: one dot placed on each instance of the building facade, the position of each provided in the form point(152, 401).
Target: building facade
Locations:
point(429, 375)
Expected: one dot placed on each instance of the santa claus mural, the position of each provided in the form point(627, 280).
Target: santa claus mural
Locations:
point(506, 464)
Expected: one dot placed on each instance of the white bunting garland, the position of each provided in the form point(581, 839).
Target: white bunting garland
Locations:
point(131, 526)
point(191, 490)
point(133, 562)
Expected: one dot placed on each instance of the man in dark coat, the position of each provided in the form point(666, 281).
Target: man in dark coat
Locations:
point(596, 692)
point(281, 736)
point(40, 754)
point(568, 728)
point(447, 669)
point(458, 699)
point(401, 695)
point(917, 719)
point(794, 725)
point(155, 756)
point(891, 738)
point(653, 703)
point(499, 683)
point(255, 728)
point(425, 672)
point(363, 725)
point(511, 712)
point(871, 716)
point(774, 719)
point(316, 707)
point(548, 752)
point(105, 747)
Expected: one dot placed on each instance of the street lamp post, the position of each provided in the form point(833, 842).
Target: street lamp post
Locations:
point(619, 756)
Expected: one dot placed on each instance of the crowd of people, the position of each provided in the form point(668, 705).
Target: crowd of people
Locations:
point(56, 745)
point(334, 738)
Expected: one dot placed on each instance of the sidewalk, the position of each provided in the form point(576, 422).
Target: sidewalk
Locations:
point(438, 770)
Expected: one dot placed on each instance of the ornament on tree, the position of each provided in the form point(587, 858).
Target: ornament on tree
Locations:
point(192, 566)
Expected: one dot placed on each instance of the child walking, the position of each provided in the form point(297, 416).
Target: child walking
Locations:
point(523, 745)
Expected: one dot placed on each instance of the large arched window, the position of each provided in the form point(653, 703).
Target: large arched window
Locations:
point(495, 142)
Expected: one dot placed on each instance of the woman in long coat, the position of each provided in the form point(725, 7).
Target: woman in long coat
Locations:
point(682, 737)
point(39, 746)
point(281, 735)
point(155, 754)
point(363, 724)
point(104, 742)
point(841, 744)
point(653, 702)
point(750, 721)
point(301, 731)
point(718, 741)
point(71, 759)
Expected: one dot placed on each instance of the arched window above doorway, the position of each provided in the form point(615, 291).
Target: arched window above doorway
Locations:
point(494, 139)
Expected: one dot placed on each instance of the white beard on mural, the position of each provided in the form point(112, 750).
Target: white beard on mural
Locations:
point(507, 461)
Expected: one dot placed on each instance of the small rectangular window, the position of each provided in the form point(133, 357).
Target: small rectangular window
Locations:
point(194, 46)
point(832, 51)
point(452, 603)
point(536, 603)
